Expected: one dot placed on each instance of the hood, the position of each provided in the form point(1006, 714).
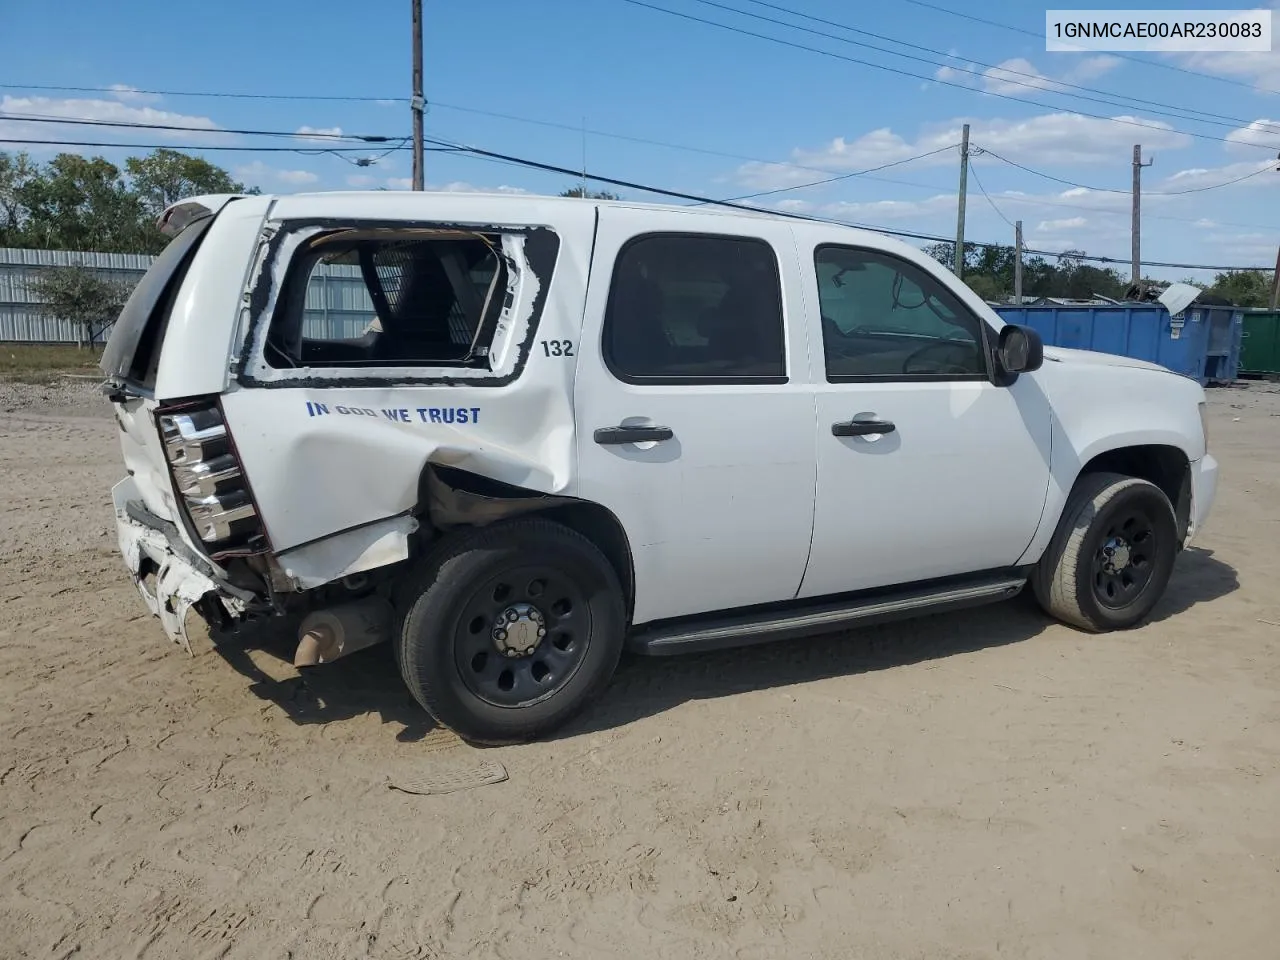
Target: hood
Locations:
point(1094, 358)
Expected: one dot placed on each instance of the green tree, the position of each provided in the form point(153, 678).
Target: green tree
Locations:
point(16, 170)
point(985, 286)
point(1244, 288)
point(88, 203)
point(82, 203)
point(166, 176)
point(589, 194)
point(76, 293)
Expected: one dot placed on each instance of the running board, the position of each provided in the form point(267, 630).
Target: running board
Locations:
point(749, 628)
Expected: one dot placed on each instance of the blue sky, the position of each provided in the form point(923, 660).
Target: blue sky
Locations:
point(737, 114)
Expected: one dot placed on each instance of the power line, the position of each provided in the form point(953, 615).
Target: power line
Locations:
point(577, 128)
point(918, 76)
point(127, 91)
point(200, 147)
point(574, 128)
point(1154, 193)
point(681, 195)
point(1043, 83)
point(845, 176)
point(1132, 59)
point(1012, 197)
point(138, 125)
point(973, 168)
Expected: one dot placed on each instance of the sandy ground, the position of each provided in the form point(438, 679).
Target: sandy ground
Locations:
point(972, 786)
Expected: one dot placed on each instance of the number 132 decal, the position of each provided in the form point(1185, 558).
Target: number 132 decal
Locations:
point(557, 348)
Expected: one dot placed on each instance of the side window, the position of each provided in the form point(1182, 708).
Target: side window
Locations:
point(390, 301)
point(691, 307)
point(886, 318)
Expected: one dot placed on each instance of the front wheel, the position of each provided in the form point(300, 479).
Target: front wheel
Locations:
point(1111, 558)
point(511, 629)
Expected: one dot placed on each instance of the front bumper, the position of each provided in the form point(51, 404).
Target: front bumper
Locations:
point(169, 575)
point(1204, 487)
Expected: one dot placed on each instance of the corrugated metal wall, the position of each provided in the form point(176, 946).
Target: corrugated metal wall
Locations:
point(338, 305)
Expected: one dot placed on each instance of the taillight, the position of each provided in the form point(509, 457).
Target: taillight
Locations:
point(209, 479)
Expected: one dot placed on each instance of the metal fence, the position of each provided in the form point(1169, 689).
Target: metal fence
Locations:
point(337, 306)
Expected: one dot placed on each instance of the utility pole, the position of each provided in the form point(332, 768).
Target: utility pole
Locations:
point(584, 158)
point(417, 104)
point(1017, 263)
point(1275, 285)
point(1136, 226)
point(964, 186)
point(1275, 278)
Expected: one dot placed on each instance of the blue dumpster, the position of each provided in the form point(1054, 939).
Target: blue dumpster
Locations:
point(1202, 342)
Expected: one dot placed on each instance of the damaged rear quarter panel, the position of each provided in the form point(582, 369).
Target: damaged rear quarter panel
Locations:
point(327, 454)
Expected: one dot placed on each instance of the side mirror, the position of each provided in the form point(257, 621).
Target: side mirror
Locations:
point(1020, 349)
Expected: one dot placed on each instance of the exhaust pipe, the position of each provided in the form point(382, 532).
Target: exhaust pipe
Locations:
point(325, 635)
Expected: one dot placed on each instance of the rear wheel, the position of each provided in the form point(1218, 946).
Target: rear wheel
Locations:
point(511, 629)
point(1111, 558)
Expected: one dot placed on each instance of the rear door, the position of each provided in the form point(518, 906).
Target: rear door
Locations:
point(694, 423)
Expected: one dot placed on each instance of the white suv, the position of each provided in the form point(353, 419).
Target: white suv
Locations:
point(515, 435)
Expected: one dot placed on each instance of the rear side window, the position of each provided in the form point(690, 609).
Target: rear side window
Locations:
point(431, 299)
point(695, 308)
point(133, 349)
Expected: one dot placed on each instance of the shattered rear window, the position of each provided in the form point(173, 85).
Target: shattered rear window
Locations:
point(390, 298)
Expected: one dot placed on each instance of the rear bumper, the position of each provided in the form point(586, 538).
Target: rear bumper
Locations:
point(1204, 487)
point(169, 576)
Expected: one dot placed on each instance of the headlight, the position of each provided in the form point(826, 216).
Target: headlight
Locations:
point(1204, 423)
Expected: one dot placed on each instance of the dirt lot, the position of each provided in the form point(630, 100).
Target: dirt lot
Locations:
point(971, 786)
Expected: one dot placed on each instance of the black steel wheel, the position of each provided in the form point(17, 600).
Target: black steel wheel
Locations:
point(522, 635)
point(511, 629)
point(1110, 560)
point(1124, 560)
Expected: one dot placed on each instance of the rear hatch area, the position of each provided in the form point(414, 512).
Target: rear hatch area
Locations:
point(131, 360)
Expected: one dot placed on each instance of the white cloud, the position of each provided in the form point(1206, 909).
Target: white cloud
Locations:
point(1053, 226)
point(455, 186)
point(1091, 68)
point(1197, 177)
point(1055, 243)
point(873, 211)
point(1052, 139)
point(1019, 76)
point(361, 181)
point(1260, 133)
point(795, 206)
point(319, 134)
point(1244, 249)
point(259, 173)
point(201, 129)
point(1260, 70)
point(296, 177)
point(128, 94)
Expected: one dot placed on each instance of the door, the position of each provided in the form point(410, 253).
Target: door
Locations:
point(926, 468)
point(694, 420)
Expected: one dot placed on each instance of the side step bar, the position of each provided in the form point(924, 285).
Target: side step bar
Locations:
point(743, 629)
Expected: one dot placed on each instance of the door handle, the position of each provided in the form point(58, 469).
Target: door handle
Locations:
point(861, 428)
point(628, 434)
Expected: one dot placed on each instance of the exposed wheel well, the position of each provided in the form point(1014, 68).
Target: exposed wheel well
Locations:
point(1167, 467)
point(602, 528)
point(451, 498)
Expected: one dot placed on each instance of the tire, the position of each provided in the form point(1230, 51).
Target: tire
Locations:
point(1079, 582)
point(477, 677)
